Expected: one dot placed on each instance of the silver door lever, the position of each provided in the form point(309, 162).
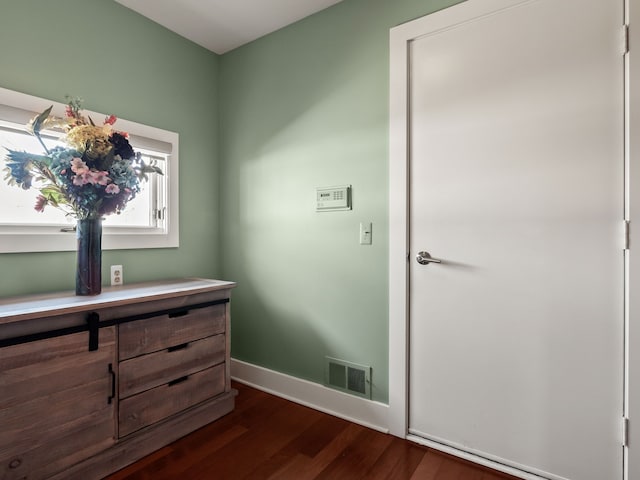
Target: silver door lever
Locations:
point(424, 258)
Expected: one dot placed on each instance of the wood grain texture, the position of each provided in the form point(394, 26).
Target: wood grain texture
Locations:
point(164, 331)
point(148, 371)
point(161, 402)
point(59, 402)
point(150, 441)
point(54, 407)
point(267, 437)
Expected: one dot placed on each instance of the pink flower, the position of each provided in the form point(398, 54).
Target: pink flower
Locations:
point(99, 177)
point(78, 166)
point(112, 188)
point(81, 180)
point(40, 203)
point(92, 177)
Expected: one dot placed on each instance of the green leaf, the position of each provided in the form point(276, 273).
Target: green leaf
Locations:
point(39, 120)
point(54, 196)
point(36, 126)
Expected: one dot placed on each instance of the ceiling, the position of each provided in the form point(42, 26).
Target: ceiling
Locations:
point(222, 25)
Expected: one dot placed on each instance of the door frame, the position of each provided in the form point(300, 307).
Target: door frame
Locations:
point(632, 214)
point(400, 40)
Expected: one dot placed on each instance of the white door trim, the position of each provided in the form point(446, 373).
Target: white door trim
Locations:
point(400, 41)
point(632, 135)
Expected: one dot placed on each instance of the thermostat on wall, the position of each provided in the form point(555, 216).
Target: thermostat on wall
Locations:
point(333, 198)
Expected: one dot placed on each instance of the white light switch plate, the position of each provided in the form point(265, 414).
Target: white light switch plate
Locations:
point(365, 233)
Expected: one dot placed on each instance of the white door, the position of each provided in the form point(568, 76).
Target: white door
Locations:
point(517, 186)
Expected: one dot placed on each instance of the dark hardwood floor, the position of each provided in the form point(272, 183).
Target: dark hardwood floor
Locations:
point(267, 437)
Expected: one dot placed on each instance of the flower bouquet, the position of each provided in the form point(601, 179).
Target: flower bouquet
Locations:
point(96, 174)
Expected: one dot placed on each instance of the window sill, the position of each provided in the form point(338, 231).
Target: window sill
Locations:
point(48, 239)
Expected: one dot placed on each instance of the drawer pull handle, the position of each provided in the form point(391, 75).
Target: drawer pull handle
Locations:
point(178, 380)
point(182, 346)
point(180, 313)
point(113, 384)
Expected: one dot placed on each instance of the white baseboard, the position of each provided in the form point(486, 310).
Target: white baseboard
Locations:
point(349, 407)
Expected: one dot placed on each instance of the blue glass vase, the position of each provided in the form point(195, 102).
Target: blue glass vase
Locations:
point(89, 257)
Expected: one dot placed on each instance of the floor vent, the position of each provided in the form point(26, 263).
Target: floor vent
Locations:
point(348, 377)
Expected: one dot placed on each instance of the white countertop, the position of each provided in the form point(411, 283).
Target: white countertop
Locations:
point(31, 306)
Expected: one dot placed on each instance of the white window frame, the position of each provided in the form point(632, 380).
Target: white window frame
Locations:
point(35, 238)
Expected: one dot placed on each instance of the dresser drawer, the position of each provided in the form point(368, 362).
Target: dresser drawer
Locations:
point(149, 407)
point(148, 371)
point(164, 331)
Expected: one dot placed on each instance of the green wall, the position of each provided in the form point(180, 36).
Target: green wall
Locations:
point(306, 106)
point(302, 108)
point(120, 63)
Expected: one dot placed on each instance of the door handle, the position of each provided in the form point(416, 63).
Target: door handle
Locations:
point(424, 258)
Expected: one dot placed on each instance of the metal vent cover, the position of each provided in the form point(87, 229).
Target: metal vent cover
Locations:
point(348, 377)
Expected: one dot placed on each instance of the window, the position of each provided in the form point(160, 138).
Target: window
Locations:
point(149, 221)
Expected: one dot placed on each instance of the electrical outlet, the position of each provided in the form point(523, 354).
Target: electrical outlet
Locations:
point(116, 275)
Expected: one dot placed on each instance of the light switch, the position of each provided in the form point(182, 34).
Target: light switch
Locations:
point(365, 233)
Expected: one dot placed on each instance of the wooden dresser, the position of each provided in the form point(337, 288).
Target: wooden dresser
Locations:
point(89, 385)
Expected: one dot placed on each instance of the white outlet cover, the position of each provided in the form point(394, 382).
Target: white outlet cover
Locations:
point(116, 275)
